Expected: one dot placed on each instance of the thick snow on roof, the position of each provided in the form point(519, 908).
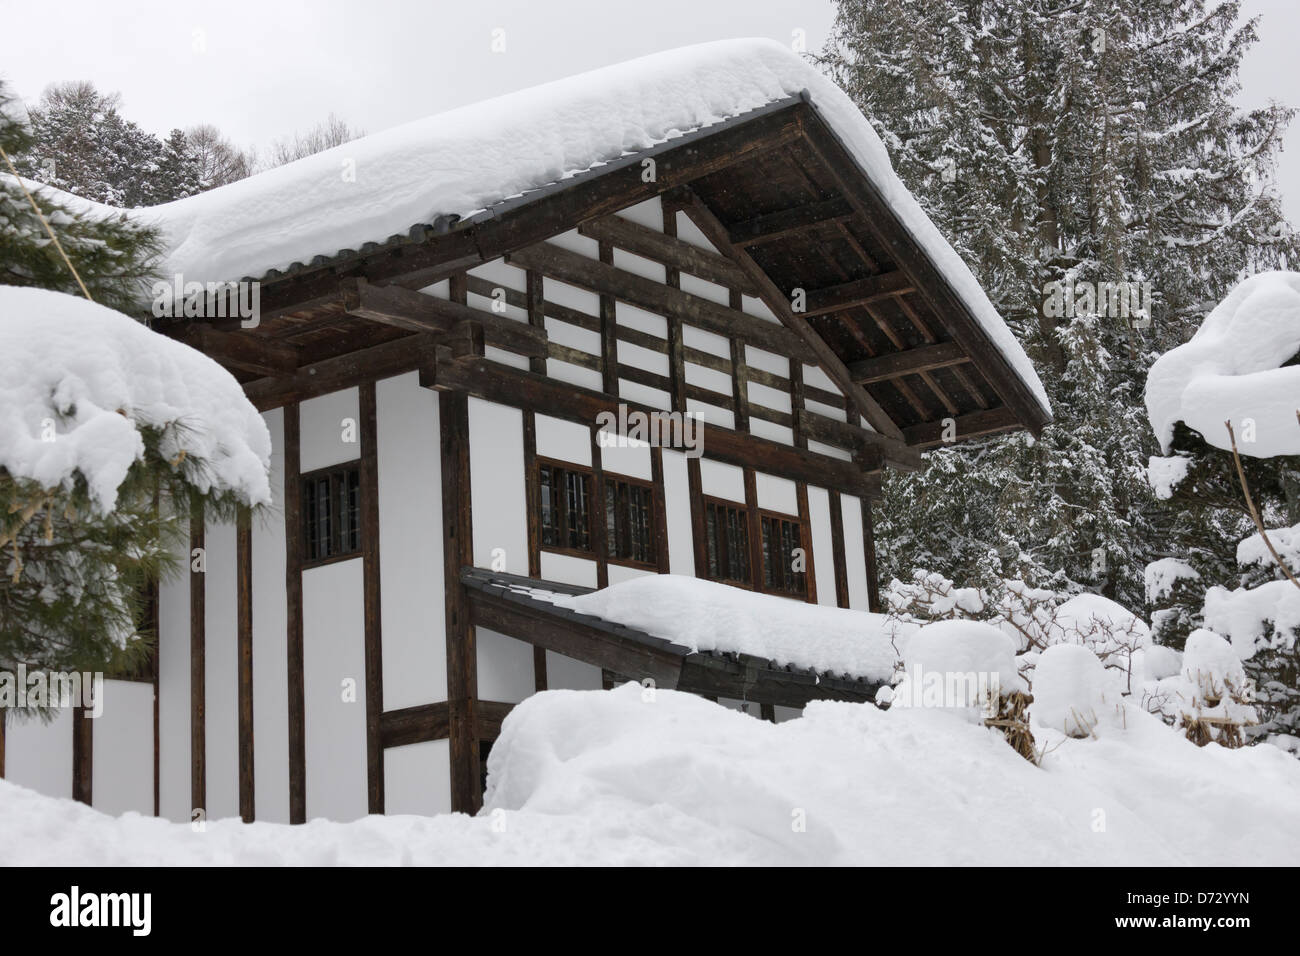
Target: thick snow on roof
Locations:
point(1231, 370)
point(707, 616)
point(598, 777)
point(77, 380)
point(462, 161)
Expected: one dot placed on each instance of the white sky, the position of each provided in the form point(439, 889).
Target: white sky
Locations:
point(260, 70)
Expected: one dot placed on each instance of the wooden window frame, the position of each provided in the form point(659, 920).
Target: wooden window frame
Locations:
point(597, 479)
point(586, 470)
point(804, 533)
point(744, 509)
point(754, 527)
point(344, 468)
point(652, 563)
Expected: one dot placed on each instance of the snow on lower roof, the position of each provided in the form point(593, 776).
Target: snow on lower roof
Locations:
point(467, 159)
point(708, 616)
point(78, 379)
point(1232, 370)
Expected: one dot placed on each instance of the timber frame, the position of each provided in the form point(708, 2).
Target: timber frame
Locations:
point(817, 271)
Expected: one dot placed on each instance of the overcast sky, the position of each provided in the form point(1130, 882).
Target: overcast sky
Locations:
point(260, 69)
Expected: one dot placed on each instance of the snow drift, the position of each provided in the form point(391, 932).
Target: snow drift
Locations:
point(637, 777)
point(77, 381)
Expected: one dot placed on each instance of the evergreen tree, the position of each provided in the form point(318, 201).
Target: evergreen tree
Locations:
point(113, 254)
point(1059, 145)
point(71, 577)
point(179, 170)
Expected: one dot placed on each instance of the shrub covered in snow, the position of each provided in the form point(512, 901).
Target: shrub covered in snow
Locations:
point(1070, 690)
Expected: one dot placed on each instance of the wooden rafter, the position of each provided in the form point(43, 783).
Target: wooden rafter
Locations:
point(890, 436)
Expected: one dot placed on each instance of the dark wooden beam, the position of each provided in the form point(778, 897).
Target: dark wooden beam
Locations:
point(417, 312)
point(823, 354)
point(576, 269)
point(370, 587)
point(491, 715)
point(923, 358)
point(517, 388)
point(869, 548)
point(198, 668)
point(244, 350)
point(414, 725)
point(244, 642)
point(83, 756)
point(668, 251)
point(983, 422)
point(575, 638)
point(293, 557)
point(805, 534)
point(838, 554)
point(778, 225)
point(859, 292)
point(458, 552)
point(344, 371)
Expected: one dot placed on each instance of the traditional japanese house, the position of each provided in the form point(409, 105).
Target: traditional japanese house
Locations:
point(451, 314)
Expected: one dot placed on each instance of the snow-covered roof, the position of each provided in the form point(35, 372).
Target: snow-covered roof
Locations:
point(782, 641)
point(466, 160)
point(1233, 370)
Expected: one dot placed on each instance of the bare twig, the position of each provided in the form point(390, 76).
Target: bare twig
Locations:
point(1254, 512)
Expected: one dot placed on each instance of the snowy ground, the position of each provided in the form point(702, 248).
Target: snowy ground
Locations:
point(611, 777)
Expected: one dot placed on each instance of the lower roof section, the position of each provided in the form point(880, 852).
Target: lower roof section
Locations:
point(524, 608)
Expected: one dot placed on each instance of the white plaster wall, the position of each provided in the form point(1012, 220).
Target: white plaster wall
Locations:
point(412, 601)
point(270, 645)
point(324, 434)
point(38, 755)
point(776, 494)
point(677, 504)
point(630, 460)
point(566, 441)
point(823, 548)
point(649, 214)
point(855, 559)
point(417, 778)
point(567, 569)
point(333, 651)
point(721, 480)
point(174, 693)
point(221, 662)
point(122, 750)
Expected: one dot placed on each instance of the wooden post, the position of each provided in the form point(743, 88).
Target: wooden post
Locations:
point(457, 549)
point(371, 596)
point(661, 509)
point(596, 508)
point(244, 613)
point(4, 716)
point(837, 551)
point(740, 372)
point(676, 359)
point(198, 668)
point(755, 531)
point(805, 541)
point(869, 546)
point(695, 484)
point(293, 615)
point(533, 506)
point(608, 332)
point(83, 755)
